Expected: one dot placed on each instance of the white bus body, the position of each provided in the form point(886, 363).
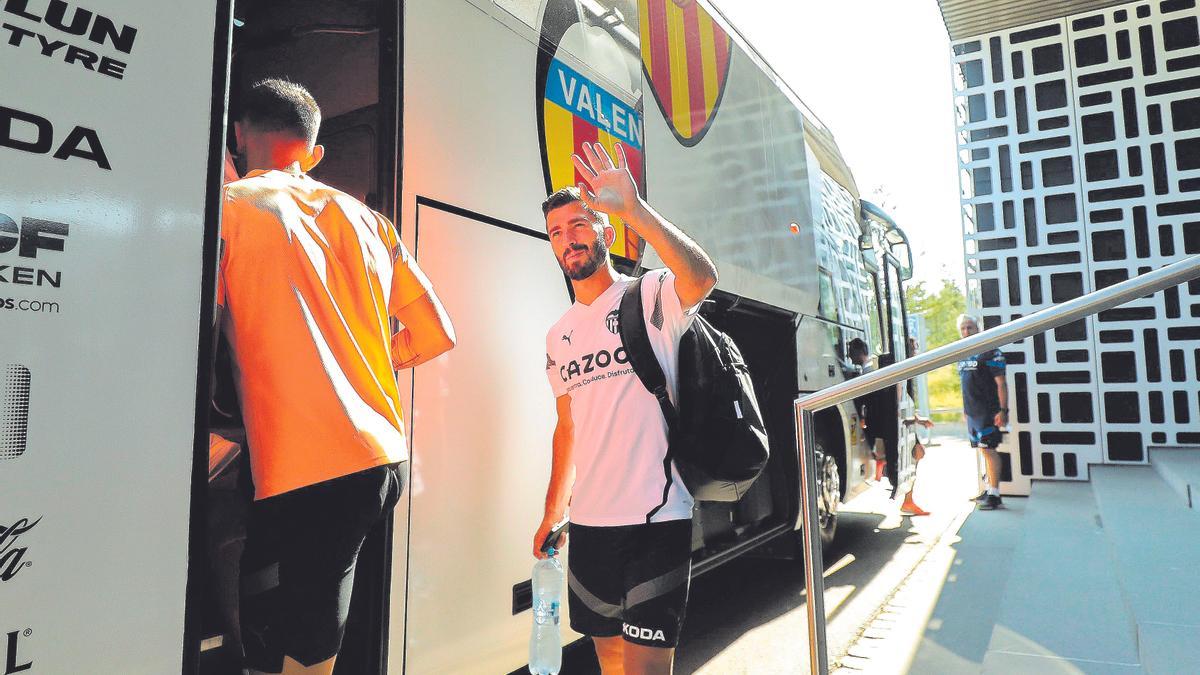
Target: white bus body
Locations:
point(455, 118)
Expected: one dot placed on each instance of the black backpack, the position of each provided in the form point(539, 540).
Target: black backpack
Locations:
point(716, 437)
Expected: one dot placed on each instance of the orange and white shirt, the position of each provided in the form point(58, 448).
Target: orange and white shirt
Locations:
point(308, 280)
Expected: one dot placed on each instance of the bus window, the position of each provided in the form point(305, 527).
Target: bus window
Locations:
point(899, 331)
point(827, 306)
point(875, 328)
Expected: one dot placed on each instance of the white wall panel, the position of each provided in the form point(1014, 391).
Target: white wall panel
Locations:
point(1077, 151)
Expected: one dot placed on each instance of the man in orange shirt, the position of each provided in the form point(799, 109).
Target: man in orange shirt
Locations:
point(308, 281)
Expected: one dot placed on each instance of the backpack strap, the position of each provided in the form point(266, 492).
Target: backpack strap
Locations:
point(641, 353)
point(645, 365)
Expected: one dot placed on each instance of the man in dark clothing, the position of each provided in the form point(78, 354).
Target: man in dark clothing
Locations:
point(868, 404)
point(985, 408)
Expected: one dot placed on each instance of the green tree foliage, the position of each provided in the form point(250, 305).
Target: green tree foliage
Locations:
point(940, 309)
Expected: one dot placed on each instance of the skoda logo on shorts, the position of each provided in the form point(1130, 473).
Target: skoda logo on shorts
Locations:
point(613, 321)
point(643, 633)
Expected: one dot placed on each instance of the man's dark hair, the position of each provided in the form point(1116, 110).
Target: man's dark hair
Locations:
point(857, 346)
point(278, 105)
point(566, 196)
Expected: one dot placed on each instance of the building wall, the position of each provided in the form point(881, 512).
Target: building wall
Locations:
point(1079, 156)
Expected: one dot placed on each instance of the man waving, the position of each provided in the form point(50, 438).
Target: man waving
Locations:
point(630, 513)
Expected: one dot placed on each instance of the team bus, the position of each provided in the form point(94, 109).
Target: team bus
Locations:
point(455, 118)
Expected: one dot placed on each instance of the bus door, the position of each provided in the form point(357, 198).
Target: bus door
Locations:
point(483, 415)
point(344, 52)
point(896, 336)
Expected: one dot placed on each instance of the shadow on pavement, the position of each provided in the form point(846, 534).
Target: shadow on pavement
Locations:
point(960, 628)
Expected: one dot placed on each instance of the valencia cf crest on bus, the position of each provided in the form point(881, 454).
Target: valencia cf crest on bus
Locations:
point(685, 54)
point(577, 104)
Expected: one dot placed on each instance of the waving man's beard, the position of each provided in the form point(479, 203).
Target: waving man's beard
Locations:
point(597, 256)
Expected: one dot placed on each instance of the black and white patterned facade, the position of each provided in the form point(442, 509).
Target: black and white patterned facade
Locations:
point(1079, 155)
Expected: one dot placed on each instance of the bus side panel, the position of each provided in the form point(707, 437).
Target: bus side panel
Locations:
point(483, 414)
point(470, 135)
point(858, 455)
point(108, 215)
point(483, 417)
point(731, 182)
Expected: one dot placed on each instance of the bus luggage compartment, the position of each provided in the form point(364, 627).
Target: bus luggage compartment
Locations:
point(766, 337)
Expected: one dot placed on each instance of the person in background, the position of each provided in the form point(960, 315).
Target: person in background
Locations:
point(876, 410)
point(866, 407)
point(860, 355)
point(308, 281)
point(985, 408)
point(909, 507)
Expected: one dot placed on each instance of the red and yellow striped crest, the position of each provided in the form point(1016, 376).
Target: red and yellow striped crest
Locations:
point(686, 57)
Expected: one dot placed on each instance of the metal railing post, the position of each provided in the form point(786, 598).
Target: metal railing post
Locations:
point(814, 582)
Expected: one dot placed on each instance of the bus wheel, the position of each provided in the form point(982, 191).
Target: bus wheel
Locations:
point(829, 494)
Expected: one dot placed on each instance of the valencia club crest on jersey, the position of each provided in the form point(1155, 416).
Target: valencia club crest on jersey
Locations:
point(613, 321)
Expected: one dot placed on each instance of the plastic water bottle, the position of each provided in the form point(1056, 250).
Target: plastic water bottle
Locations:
point(545, 642)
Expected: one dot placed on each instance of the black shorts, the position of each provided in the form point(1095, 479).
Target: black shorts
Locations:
point(630, 580)
point(982, 430)
point(298, 566)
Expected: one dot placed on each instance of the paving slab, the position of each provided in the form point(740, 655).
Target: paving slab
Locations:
point(960, 628)
point(1155, 541)
point(1169, 649)
point(876, 632)
point(1003, 663)
point(995, 529)
point(1180, 469)
point(1062, 568)
point(856, 664)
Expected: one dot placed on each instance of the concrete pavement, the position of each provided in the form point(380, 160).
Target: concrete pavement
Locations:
point(749, 617)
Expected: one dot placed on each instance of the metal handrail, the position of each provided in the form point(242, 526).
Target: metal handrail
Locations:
point(1038, 322)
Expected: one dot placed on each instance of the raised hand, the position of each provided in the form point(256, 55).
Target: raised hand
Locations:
point(606, 187)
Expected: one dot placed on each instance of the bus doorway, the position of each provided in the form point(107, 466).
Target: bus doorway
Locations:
point(766, 336)
point(901, 469)
point(345, 53)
